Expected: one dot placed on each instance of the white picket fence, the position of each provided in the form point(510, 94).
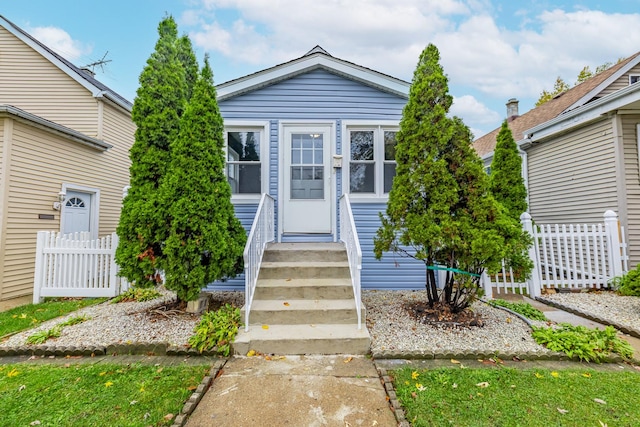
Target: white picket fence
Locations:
point(74, 265)
point(574, 256)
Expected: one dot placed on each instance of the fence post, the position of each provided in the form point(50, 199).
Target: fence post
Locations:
point(613, 244)
point(39, 269)
point(485, 282)
point(534, 281)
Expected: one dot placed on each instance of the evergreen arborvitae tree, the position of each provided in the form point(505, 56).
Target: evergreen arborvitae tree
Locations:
point(507, 184)
point(187, 58)
point(156, 112)
point(440, 210)
point(206, 240)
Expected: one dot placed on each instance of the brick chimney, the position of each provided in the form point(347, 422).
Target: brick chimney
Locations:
point(512, 109)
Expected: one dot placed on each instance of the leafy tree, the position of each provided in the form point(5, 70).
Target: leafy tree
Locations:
point(156, 112)
point(440, 210)
point(205, 240)
point(507, 185)
point(559, 87)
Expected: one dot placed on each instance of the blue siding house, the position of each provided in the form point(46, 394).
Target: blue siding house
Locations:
point(306, 132)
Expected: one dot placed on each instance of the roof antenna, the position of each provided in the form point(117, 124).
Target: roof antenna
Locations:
point(90, 68)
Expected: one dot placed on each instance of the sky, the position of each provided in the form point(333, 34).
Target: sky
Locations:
point(491, 50)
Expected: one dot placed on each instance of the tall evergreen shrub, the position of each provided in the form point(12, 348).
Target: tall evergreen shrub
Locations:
point(205, 240)
point(440, 210)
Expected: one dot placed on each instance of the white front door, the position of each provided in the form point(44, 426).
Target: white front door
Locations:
point(76, 209)
point(307, 194)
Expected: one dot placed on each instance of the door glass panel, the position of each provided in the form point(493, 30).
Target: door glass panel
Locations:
point(307, 166)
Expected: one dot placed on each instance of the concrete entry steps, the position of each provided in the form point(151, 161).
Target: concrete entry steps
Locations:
point(304, 304)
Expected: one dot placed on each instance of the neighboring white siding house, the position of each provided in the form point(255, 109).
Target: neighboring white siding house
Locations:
point(306, 132)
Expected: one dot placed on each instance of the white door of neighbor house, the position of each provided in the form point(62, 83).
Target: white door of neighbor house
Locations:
point(76, 209)
point(307, 191)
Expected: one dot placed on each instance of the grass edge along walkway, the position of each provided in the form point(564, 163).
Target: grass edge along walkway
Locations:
point(104, 393)
point(524, 397)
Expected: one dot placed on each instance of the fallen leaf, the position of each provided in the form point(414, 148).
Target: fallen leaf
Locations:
point(159, 370)
point(251, 353)
point(454, 385)
point(265, 326)
point(108, 384)
point(538, 375)
point(133, 402)
point(35, 423)
point(168, 417)
point(420, 387)
point(348, 359)
point(288, 280)
point(23, 316)
point(562, 411)
point(414, 394)
point(22, 387)
point(508, 319)
point(483, 384)
point(13, 373)
point(267, 357)
point(102, 374)
point(286, 304)
point(414, 375)
point(554, 374)
point(602, 424)
point(600, 401)
point(192, 387)
point(586, 375)
point(455, 361)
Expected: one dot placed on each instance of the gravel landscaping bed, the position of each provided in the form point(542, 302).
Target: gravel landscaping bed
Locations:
point(394, 332)
point(606, 307)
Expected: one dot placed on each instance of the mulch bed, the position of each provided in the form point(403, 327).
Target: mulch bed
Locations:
point(441, 315)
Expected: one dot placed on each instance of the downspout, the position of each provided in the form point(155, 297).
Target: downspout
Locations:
point(621, 185)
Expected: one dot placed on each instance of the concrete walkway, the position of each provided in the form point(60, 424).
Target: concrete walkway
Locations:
point(295, 391)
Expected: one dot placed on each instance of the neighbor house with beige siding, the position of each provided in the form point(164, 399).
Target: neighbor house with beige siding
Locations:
point(580, 152)
point(64, 154)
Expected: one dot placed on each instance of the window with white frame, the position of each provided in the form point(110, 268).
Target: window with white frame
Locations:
point(372, 164)
point(633, 78)
point(244, 163)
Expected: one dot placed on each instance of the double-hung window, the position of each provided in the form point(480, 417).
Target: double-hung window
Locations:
point(372, 164)
point(245, 152)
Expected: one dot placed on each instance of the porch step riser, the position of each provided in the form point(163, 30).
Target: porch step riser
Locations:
point(304, 255)
point(298, 292)
point(301, 272)
point(307, 346)
point(303, 317)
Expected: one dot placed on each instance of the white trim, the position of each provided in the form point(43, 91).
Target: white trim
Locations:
point(94, 208)
point(606, 83)
point(580, 116)
point(307, 63)
point(304, 124)
point(637, 76)
point(378, 126)
point(263, 127)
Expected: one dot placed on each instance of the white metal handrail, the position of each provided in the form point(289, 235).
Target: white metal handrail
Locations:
point(262, 232)
point(349, 236)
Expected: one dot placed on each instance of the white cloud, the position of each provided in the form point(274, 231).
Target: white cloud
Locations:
point(60, 42)
point(493, 53)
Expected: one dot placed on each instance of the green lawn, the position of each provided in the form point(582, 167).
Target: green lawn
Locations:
point(94, 395)
point(510, 397)
point(30, 315)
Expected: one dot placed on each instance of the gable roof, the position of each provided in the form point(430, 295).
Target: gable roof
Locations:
point(96, 88)
point(573, 98)
point(316, 58)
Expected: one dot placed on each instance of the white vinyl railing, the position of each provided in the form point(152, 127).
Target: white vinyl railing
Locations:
point(73, 265)
point(262, 232)
point(349, 236)
point(567, 256)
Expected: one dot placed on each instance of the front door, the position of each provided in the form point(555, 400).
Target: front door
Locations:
point(77, 212)
point(307, 180)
